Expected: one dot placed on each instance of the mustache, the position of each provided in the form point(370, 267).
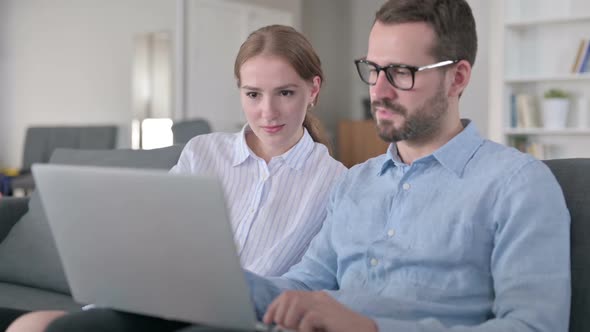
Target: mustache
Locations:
point(389, 105)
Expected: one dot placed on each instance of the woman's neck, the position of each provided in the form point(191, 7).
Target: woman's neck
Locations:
point(267, 151)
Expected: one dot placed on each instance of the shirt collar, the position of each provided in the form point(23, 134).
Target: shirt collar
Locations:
point(294, 157)
point(241, 150)
point(454, 155)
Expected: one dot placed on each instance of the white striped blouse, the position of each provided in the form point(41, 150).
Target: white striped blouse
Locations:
point(276, 208)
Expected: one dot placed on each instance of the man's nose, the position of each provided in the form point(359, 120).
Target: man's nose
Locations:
point(382, 89)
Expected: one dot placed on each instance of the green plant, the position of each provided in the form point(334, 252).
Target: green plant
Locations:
point(556, 93)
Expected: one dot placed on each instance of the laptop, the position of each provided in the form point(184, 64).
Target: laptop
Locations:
point(147, 242)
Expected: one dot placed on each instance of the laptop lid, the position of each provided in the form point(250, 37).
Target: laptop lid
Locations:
point(146, 242)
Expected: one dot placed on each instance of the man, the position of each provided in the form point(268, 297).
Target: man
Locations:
point(445, 232)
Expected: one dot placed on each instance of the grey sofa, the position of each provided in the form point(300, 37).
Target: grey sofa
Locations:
point(183, 131)
point(31, 275)
point(40, 142)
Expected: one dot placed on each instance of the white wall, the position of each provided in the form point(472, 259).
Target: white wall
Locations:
point(69, 62)
point(291, 6)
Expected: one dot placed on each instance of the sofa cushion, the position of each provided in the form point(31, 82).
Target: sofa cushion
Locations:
point(32, 298)
point(28, 255)
point(573, 176)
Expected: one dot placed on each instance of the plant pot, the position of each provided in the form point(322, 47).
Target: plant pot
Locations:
point(555, 112)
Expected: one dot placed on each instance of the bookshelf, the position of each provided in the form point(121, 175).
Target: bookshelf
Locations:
point(536, 45)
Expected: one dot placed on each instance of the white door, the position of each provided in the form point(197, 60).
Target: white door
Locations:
point(215, 29)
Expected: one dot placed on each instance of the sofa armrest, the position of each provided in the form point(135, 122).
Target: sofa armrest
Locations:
point(11, 210)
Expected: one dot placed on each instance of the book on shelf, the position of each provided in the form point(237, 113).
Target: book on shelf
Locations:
point(523, 113)
point(581, 62)
point(536, 149)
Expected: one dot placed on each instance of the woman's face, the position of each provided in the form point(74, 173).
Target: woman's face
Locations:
point(275, 99)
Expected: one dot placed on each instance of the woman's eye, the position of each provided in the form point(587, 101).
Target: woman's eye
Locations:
point(286, 93)
point(252, 95)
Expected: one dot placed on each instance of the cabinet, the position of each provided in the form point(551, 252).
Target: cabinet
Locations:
point(535, 47)
point(358, 141)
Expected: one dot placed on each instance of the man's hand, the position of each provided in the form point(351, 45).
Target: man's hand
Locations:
point(315, 311)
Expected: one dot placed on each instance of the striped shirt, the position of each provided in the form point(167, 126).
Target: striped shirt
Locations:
point(276, 208)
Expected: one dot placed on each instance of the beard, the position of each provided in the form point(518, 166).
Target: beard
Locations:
point(420, 125)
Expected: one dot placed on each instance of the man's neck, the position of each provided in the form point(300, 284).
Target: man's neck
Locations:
point(412, 150)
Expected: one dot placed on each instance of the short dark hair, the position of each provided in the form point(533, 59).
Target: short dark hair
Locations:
point(452, 21)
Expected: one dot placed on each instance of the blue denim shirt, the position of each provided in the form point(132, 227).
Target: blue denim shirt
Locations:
point(474, 237)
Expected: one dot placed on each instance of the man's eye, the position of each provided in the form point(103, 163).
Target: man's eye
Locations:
point(252, 95)
point(401, 72)
point(286, 93)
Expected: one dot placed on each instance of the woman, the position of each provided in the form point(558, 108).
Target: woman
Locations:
point(276, 172)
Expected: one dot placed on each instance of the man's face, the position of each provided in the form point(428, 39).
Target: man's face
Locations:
point(416, 114)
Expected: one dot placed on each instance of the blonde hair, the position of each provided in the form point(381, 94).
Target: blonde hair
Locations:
point(290, 45)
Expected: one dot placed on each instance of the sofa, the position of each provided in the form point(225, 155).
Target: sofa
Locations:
point(40, 142)
point(31, 276)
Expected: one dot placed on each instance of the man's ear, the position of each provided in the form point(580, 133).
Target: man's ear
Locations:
point(461, 75)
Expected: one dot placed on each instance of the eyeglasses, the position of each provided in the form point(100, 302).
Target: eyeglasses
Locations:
point(400, 76)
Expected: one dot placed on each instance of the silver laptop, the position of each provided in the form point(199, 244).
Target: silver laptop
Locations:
point(147, 242)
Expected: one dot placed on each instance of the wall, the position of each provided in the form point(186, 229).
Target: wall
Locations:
point(69, 62)
point(327, 25)
point(292, 6)
point(474, 103)
point(363, 14)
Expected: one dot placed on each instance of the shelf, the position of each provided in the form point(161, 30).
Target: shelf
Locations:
point(547, 132)
point(549, 78)
point(520, 24)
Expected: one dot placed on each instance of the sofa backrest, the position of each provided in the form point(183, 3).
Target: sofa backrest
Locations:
point(574, 177)
point(28, 255)
point(183, 131)
point(40, 142)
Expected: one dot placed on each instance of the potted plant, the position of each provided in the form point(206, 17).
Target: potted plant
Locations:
point(555, 109)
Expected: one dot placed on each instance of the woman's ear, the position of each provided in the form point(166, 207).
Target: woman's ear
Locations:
point(461, 76)
point(316, 84)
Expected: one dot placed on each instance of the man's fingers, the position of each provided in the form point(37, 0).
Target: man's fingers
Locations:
point(268, 317)
point(295, 311)
point(312, 321)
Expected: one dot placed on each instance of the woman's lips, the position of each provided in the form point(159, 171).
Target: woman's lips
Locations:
point(272, 129)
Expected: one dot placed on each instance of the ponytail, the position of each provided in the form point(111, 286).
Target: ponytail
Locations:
point(316, 131)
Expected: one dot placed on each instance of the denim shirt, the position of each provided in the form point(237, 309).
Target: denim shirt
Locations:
point(474, 237)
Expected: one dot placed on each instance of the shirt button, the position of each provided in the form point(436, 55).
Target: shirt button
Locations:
point(406, 186)
point(374, 261)
point(390, 232)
